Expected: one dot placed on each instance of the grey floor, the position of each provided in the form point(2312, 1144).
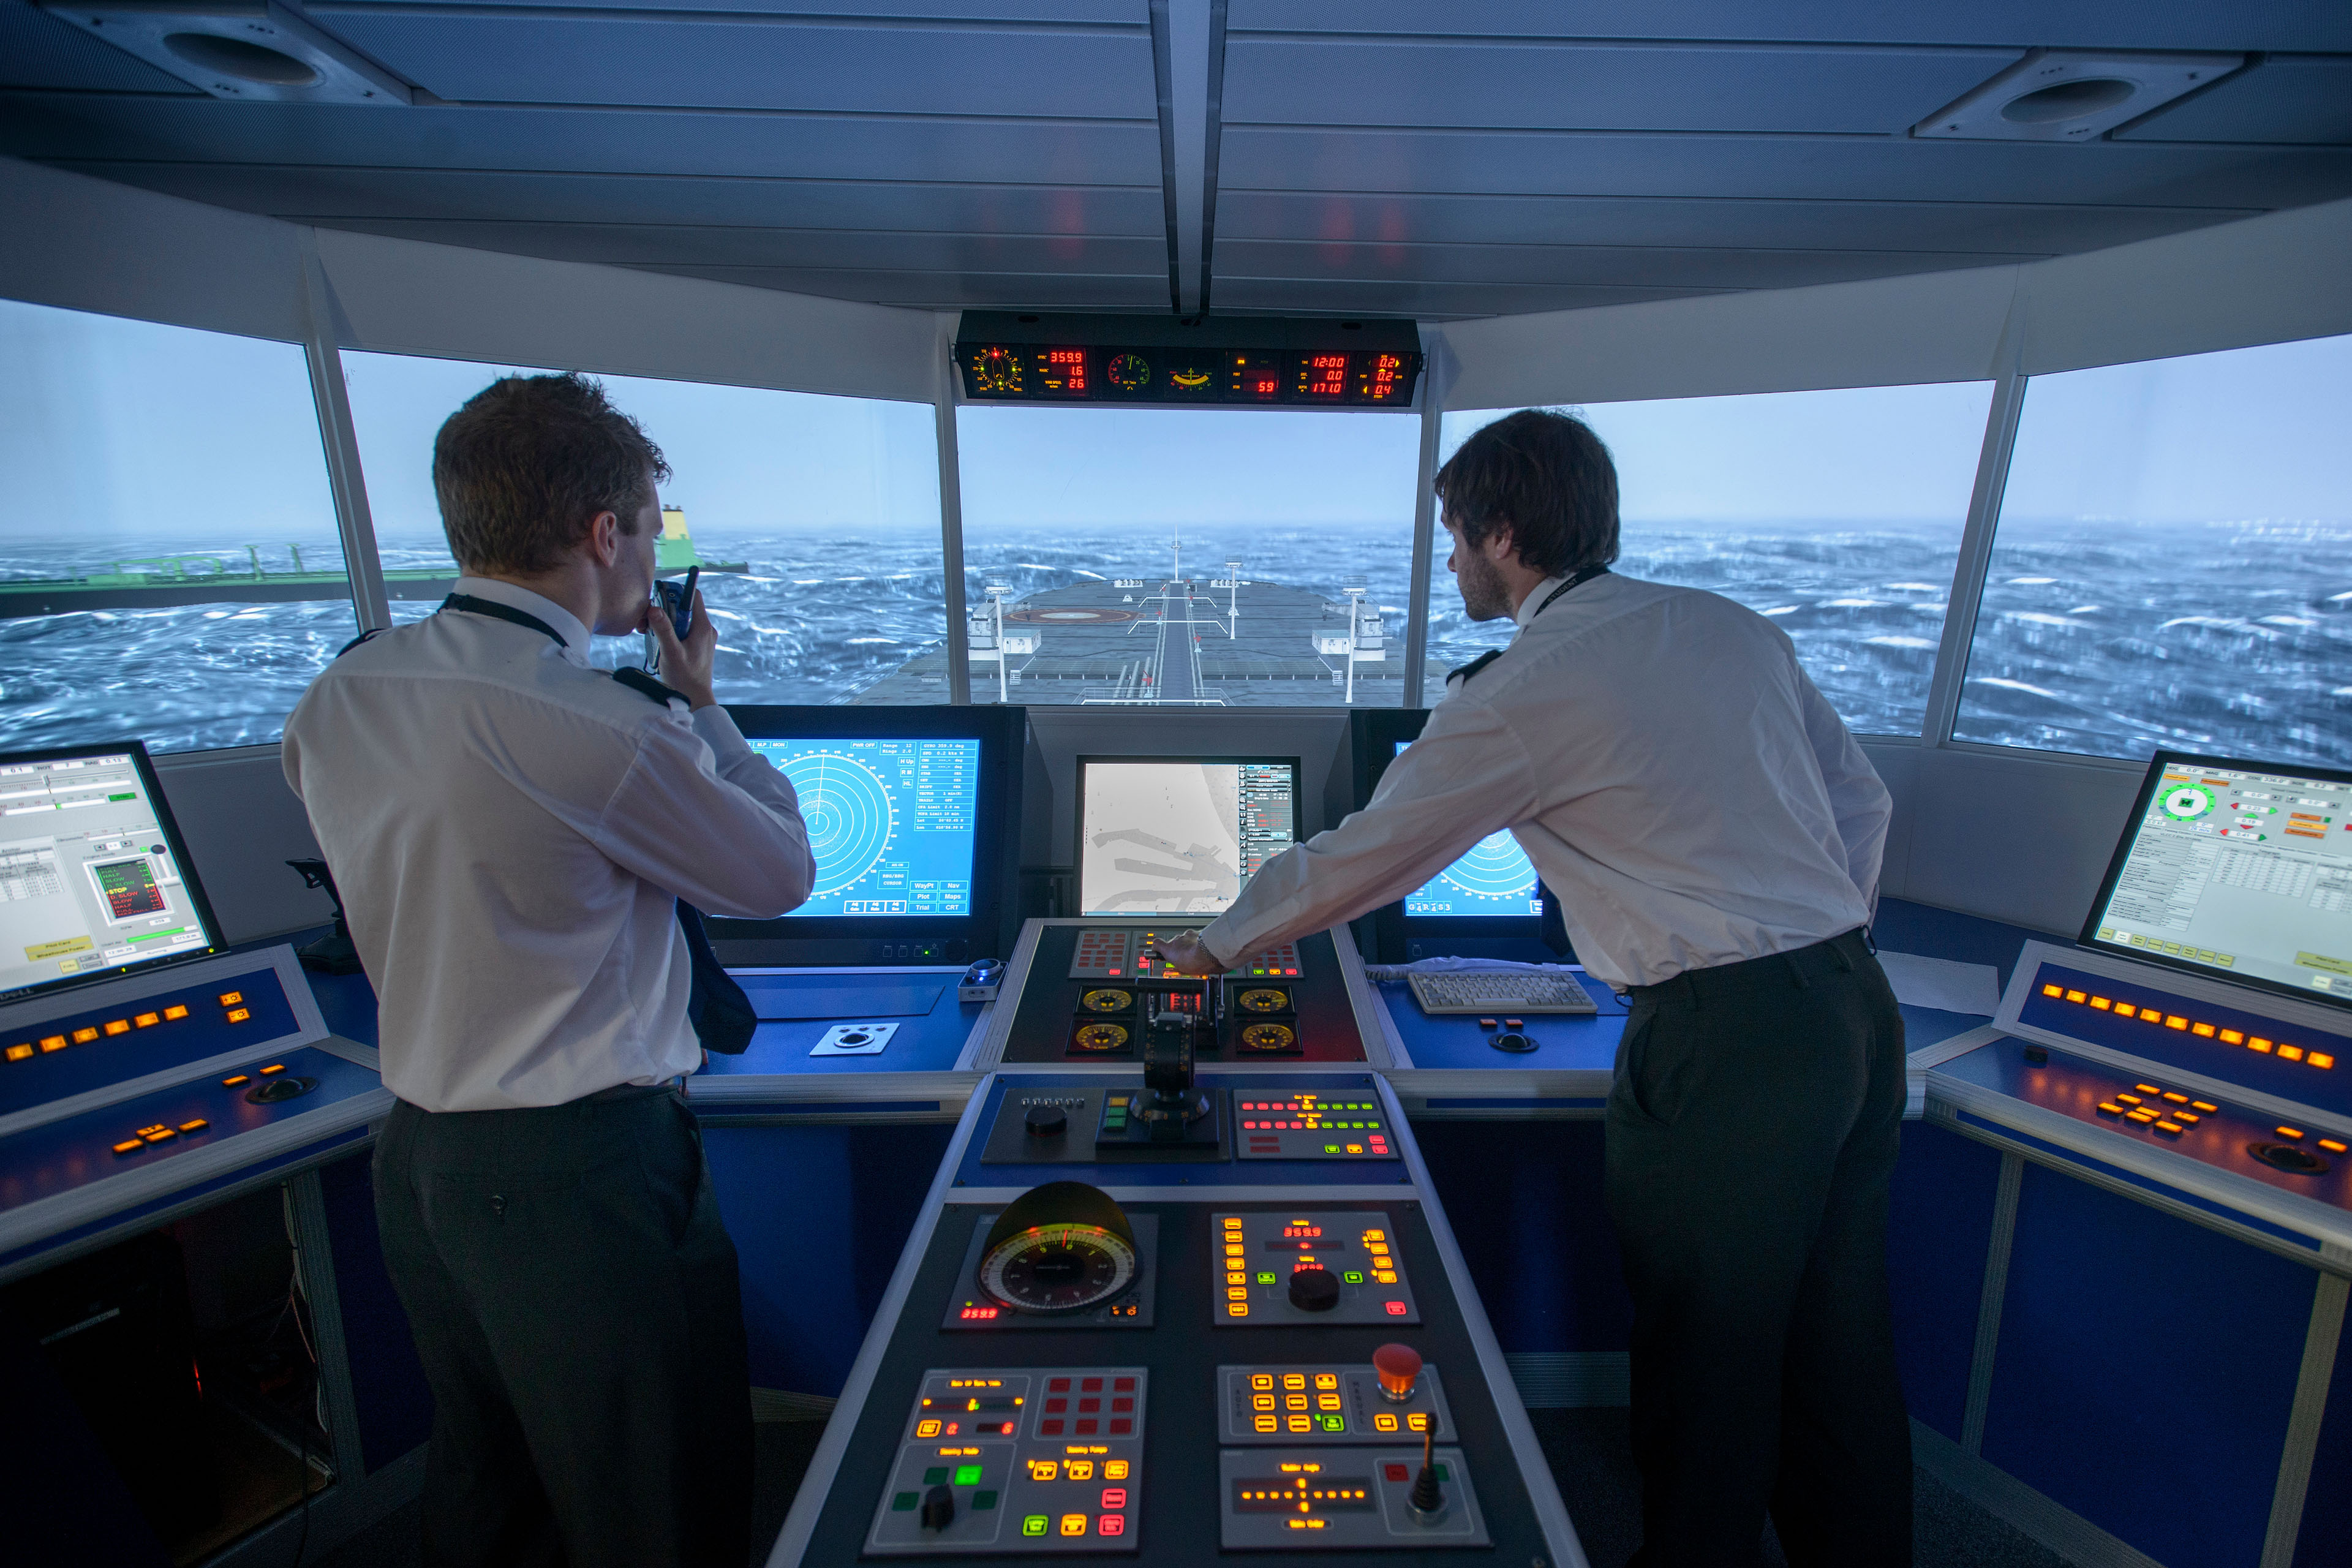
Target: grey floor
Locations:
point(1590, 1452)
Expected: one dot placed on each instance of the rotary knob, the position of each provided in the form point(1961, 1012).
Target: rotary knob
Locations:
point(1047, 1122)
point(1399, 1369)
point(1314, 1289)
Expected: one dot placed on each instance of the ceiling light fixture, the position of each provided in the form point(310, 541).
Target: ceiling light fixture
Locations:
point(2073, 95)
point(243, 50)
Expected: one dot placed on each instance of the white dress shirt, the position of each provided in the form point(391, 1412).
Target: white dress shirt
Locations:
point(1664, 759)
point(509, 829)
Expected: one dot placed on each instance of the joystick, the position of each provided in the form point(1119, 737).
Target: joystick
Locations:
point(939, 1507)
point(1316, 1289)
point(1400, 1370)
point(1427, 1498)
point(1170, 1101)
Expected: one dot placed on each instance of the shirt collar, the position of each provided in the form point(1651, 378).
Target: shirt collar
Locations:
point(1535, 600)
point(566, 624)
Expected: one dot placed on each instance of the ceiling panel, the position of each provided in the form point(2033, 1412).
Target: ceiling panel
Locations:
point(641, 245)
point(1428, 302)
point(1821, 168)
point(2050, 24)
point(1129, 13)
point(764, 63)
point(949, 290)
point(204, 129)
point(1613, 266)
point(1421, 218)
point(2290, 99)
point(37, 50)
point(306, 193)
point(1607, 87)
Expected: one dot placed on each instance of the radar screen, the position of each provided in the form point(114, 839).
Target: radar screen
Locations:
point(893, 824)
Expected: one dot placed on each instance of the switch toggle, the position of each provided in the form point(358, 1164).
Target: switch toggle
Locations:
point(939, 1508)
point(1399, 1369)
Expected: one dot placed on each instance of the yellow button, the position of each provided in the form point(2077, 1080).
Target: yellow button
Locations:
point(54, 1043)
point(2204, 1029)
point(2256, 1043)
point(2175, 1021)
point(1114, 1469)
point(1045, 1470)
point(2233, 1037)
point(1376, 1235)
point(2290, 1053)
point(118, 1025)
point(927, 1428)
point(1079, 1469)
point(1237, 1308)
point(176, 1010)
point(2320, 1059)
point(1261, 1402)
point(1268, 1422)
point(84, 1036)
point(1294, 1400)
point(1261, 1380)
point(2128, 1098)
point(1327, 1402)
point(130, 1146)
point(2289, 1132)
point(234, 1081)
point(2053, 991)
point(1302, 1423)
point(231, 998)
point(1236, 1293)
point(1073, 1524)
point(239, 1015)
point(1384, 1421)
point(1418, 1421)
point(1236, 1279)
point(2077, 996)
point(2332, 1145)
point(1385, 1275)
point(1326, 1380)
point(2207, 1106)
point(18, 1053)
point(1294, 1380)
point(148, 1020)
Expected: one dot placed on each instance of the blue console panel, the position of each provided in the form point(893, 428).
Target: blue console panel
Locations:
point(797, 1006)
point(1564, 1041)
point(47, 1056)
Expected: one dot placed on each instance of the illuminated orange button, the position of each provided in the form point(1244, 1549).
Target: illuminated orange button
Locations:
point(84, 1036)
point(1073, 1524)
point(2053, 991)
point(160, 1134)
point(1236, 1293)
point(2320, 1059)
point(1326, 1380)
point(148, 1020)
point(2169, 1129)
point(130, 1146)
point(1268, 1422)
point(927, 1428)
point(2078, 996)
point(175, 1011)
point(231, 998)
point(2191, 1118)
point(1236, 1279)
point(18, 1053)
point(2207, 1106)
point(2101, 1003)
point(1114, 1469)
point(2148, 1089)
point(1237, 1308)
point(233, 1082)
point(52, 1042)
point(2290, 1053)
point(1261, 1380)
point(2204, 1029)
point(2233, 1037)
point(2175, 1021)
point(1384, 1421)
point(1295, 1401)
point(1301, 1423)
point(2126, 1010)
point(1261, 1401)
point(2289, 1132)
point(274, 1067)
point(2177, 1099)
point(2128, 1098)
point(2142, 1117)
point(1294, 1380)
point(1417, 1421)
point(194, 1126)
point(118, 1025)
point(2333, 1146)
point(239, 1015)
point(2256, 1043)
point(2109, 1109)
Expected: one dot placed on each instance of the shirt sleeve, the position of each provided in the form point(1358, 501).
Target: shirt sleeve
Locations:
point(1857, 796)
point(701, 814)
point(1467, 776)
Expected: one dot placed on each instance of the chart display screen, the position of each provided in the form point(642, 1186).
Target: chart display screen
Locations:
point(892, 822)
point(90, 875)
point(1493, 879)
point(1180, 836)
point(2237, 869)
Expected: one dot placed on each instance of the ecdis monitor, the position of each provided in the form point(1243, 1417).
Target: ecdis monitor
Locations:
point(2237, 869)
point(1180, 835)
point(1493, 881)
point(93, 879)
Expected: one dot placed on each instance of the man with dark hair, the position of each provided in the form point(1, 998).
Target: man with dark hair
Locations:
point(1712, 834)
point(512, 830)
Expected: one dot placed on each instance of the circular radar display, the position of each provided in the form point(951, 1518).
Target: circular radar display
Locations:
point(1129, 372)
point(850, 815)
point(1061, 1248)
point(1107, 1001)
point(2187, 803)
point(1101, 1038)
point(1495, 868)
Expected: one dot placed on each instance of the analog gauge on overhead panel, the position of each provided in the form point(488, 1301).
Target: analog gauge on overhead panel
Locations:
point(1129, 372)
point(1190, 378)
point(995, 372)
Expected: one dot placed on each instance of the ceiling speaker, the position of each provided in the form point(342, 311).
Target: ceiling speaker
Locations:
point(2074, 95)
point(247, 51)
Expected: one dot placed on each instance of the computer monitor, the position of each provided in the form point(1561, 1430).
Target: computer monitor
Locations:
point(94, 880)
point(1493, 881)
point(2239, 870)
point(914, 820)
point(1180, 835)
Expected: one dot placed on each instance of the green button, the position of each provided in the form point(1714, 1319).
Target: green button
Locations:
point(966, 1475)
point(982, 1500)
point(903, 1502)
point(1265, 1278)
point(1035, 1524)
point(1353, 1277)
point(1330, 1148)
point(937, 1475)
point(1333, 1423)
point(1441, 1474)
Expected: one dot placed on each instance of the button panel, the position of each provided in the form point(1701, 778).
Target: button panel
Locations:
point(1257, 1253)
point(1333, 1499)
point(1272, 1405)
point(991, 1461)
point(1312, 1127)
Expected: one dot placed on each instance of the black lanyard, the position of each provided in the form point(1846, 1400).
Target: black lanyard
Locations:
point(473, 607)
point(1585, 575)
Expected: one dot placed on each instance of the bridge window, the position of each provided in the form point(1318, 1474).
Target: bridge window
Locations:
point(2174, 561)
point(1838, 514)
point(815, 520)
point(170, 567)
point(1187, 556)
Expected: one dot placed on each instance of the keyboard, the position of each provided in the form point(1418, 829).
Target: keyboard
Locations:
point(1492, 992)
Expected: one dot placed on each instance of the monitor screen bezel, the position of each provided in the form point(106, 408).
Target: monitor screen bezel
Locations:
point(2132, 823)
point(1078, 820)
point(215, 943)
point(987, 928)
point(1376, 737)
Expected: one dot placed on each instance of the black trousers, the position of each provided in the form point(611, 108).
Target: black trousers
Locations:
point(1752, 1138)
point(575, 1301)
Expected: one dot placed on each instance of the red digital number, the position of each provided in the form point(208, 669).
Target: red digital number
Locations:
point(1066, 356)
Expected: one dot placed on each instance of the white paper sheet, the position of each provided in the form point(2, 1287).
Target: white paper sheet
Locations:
point(1942, 982)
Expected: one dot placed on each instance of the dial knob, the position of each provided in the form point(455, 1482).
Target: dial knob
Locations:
point(938, 1509)
point(1399, 1369)
point(1314, 1289)
point(1047, 1122)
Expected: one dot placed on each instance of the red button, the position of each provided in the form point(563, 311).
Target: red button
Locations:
point(1114, 1497)
point(1396, 1308)
point(1090, 1404)
point(1124, 1384)
point(1111, 1524)
point(1092, 1386)
point(1393, 1472)
point(1121, 1425)
point(1059, 1385)
point(1122, 1404)
point(1087, 1429)
point(1056, 1406)
point(1049, 1429)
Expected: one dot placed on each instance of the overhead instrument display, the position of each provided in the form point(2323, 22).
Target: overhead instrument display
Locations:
point(1179, 836)
point(892, 822)
point(1017, 1459)
point(2236, 868)
point(92, 880)
point(1287, 1268)
point(1069, 358)
point(1494, 877)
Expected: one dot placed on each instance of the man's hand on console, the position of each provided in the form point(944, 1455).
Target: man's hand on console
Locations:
point(686, 670)
point(1186, 954)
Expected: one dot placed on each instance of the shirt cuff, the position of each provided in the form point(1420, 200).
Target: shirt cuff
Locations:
point(1218, 939)
point(716, 728)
